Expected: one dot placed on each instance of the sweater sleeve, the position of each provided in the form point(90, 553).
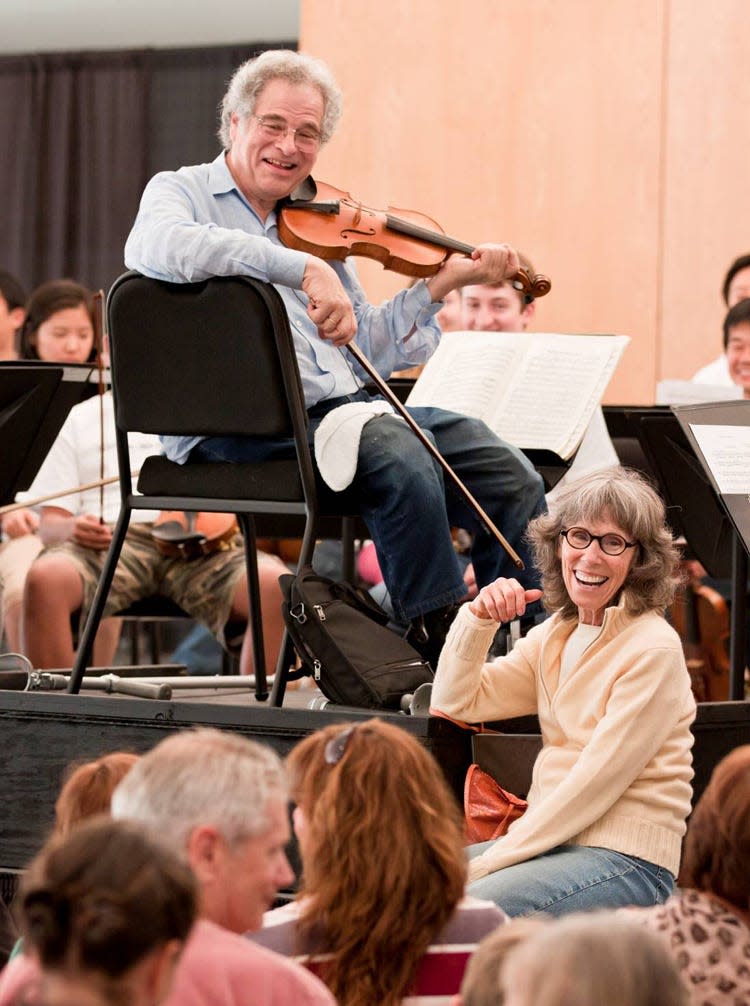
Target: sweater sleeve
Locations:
point(468, 689)
point(645, 704)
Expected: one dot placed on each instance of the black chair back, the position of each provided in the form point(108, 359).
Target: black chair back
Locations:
point(201, 337)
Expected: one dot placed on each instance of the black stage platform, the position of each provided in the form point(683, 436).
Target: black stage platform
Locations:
point(42, 732)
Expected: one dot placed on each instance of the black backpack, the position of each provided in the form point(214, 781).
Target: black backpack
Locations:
point(342, 639)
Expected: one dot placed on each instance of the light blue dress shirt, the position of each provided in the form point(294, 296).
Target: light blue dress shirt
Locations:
point(195, 223)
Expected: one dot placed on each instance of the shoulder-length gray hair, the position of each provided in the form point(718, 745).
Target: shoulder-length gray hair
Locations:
point(626, 498)
point(296, 68)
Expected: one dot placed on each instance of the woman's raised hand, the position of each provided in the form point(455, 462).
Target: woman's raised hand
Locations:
point(503, 600)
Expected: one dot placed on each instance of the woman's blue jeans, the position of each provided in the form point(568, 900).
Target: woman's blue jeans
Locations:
point(573, 878)
point(400, 492)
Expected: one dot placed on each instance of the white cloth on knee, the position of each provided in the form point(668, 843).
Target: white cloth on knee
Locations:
point(337, 440)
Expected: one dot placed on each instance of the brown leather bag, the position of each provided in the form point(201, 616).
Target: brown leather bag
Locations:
point(489, 809)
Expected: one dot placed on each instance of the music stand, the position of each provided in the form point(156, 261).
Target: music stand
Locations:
point(624, 428)
point(35, 399)
point(736, 506)
point(693, 507)
point(693, 510)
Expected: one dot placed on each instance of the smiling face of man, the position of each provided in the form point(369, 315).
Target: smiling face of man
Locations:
point(497, 308)
point(269, 167)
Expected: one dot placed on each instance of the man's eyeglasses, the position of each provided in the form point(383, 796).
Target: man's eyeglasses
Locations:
point(275, 128)
point(610, 543)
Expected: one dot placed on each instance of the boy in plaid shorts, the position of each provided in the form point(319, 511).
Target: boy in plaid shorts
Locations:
point(62, 581)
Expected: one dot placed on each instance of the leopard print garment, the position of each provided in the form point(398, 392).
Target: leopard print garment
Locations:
point(710, 944)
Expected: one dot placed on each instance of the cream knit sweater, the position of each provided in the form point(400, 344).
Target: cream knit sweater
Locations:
point(615, 767)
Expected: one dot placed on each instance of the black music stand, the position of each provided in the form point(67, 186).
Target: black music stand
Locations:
point(736, 506)
point(624, 428)
point(35, 399)
point(694, 510)
point(650, 439)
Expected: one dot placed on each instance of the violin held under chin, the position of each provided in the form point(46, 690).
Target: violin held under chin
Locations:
point(333, 225)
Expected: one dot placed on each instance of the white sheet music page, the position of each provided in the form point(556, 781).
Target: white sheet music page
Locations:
point(671, 392)
point(535, 390)
point(726, 450)
point(466, 372)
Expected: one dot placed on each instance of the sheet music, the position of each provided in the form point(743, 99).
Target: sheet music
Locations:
point(453, 379)
point(726, 450)
point(535, 390)
point(670, 392)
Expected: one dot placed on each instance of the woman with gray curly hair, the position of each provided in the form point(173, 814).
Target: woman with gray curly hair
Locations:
point(606, 675)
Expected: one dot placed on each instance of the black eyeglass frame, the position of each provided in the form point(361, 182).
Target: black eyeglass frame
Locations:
point(598, 538)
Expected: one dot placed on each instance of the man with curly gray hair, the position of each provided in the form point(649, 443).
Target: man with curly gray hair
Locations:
point(221, 219)
point(606, 676)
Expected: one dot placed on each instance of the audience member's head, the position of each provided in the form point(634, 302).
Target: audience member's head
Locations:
point(482, 984)
point(381, 839)
point(737, 344)
point(88, 789)
point(221, 800)
point(59, 326)
point(106, 910)
point(736, 285)
point(589, 960)
point(716, 858)
point(497, 307)
point(12, 313)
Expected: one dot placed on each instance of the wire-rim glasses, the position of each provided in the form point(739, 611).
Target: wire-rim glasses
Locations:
point(306, 138)
point(610, 543)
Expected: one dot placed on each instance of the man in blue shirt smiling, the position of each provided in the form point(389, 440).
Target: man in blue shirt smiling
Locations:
point(220, 219)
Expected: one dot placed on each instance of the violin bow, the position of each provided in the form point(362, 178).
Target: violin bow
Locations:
point(484, 518)
point(96, 484)
point(100, 330)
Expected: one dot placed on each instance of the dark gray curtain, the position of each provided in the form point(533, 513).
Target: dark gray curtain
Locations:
point(81, 135)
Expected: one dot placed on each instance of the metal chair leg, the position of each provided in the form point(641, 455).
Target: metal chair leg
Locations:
point(247, 526)
point(86, 642)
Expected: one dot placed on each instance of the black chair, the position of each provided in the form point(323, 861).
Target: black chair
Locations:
point(212, 358)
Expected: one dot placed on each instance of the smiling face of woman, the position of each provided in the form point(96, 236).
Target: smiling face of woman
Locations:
point(592, 577)
point(67, 336)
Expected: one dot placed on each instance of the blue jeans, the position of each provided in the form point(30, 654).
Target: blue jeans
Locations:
point(399, 490)
point(573, 878)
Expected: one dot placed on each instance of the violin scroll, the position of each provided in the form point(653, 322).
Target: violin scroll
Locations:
point(531, 286)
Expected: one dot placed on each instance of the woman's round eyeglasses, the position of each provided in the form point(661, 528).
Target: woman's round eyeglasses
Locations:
point(610, 543)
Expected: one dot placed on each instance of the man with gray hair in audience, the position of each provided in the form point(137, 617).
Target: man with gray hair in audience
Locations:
point(222, 801)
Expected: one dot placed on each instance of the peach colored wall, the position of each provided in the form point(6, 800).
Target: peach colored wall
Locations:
point(606, 140)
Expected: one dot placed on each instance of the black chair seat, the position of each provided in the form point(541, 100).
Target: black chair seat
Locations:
point(276, 481)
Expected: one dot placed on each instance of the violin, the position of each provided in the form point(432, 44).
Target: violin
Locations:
point(333, 225)
point(184, 535)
